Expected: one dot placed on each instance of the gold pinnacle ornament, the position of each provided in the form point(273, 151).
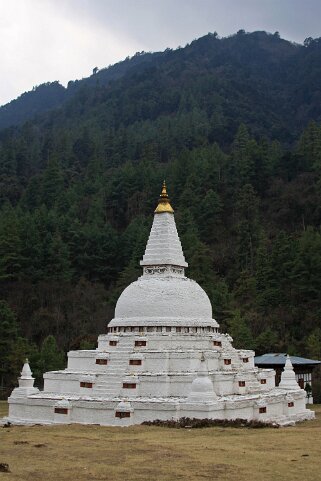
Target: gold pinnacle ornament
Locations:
point(163, 203)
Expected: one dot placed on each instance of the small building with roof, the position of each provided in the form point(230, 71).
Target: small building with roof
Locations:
point(303, 368)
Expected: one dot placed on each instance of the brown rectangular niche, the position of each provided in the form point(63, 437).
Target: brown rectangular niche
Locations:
point(113, 343)
point(122, 414)
point(262, 410)
point(263, 381)
point(86, 384)
point(227, 362)
point(290, 404)
point(101, 361)
point(135, 362)
point(129, 385)
point(242, 383)
point(245, 359)
point(61, 410)
point(140, 343)
point(217, 343)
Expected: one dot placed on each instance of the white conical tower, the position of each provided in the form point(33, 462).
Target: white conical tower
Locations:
point(26, 379)
point(26, 382)
point(202, 386)
point(163, 246)
point(163, 296)
point(288, 380)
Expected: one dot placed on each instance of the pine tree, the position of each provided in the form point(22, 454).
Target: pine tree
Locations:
point(313, 344)
point(32, 196)
point(56, 261)
point(248, 228)
point(239, 330)
point(53, 183)
point(31, 249)
point(8, 337)
point(266, 284)
point(10, 245)
point(309, 147)
point(306, 268)
point(209, 216)
point(266, 342)
point(51, 358)
point(242, 165)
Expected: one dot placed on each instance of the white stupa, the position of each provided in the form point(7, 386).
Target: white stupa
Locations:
point(288, 379)
point(163, 357)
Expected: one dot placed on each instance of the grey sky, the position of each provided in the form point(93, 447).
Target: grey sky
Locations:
point(46, 40)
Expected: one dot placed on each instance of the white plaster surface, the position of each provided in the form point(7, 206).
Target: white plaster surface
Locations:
point(163, 245)
point(164, 297)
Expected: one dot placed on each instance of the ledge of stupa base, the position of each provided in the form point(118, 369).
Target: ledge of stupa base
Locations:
point(90, 353)
point(22, 392)
point(162, 321)
point(296, 392)
point(39, 408)
point(271, 396)
point(293, 419)
point(71, 374)
point(24, 422)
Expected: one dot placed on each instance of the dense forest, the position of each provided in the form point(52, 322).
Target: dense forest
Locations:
point(233, 125)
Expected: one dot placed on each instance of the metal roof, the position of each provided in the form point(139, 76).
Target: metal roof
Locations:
point(280, 358)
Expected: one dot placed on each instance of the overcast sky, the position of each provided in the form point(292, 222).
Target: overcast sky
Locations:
point(47, 40)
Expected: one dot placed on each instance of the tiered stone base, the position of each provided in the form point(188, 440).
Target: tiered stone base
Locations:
point(281, 407)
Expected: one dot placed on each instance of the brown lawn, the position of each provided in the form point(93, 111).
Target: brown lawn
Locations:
point(140, 453)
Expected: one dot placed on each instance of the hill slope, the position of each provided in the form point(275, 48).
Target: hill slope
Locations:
point(237, 79)
point(51, 95)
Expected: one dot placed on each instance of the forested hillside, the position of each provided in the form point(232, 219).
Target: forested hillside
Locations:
point(232, 124)
point(52, 95)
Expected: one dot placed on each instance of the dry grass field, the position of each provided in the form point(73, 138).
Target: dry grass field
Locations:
point(142, 453)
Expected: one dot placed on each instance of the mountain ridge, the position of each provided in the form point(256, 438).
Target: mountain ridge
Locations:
point(240, 61)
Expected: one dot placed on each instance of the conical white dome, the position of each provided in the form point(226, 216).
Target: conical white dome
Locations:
point(163, 295)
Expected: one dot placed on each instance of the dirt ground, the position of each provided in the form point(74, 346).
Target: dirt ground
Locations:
point(143, 453)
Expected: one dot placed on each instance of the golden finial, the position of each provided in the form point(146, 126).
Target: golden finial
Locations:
point(163, 203)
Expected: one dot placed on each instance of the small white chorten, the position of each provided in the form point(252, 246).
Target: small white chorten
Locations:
point(26, 382)
point(202, 389)
point(288, 380)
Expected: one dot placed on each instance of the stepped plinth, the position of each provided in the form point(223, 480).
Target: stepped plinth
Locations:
point(163, 357)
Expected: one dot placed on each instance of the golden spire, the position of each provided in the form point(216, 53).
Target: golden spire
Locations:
point(163, 203)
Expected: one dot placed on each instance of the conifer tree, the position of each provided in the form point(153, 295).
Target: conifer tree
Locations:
point(266, 341)
point(53, 183)
point(8, 337)
point(313, 344)
point(306, 268)
point(242, 166)
point(248, 227)
point(239, 330)
point(56, 261)
point(51, 358)
point(209, 216)
point(10, 245)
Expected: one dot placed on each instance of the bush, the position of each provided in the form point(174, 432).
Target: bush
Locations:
point(207, 423)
